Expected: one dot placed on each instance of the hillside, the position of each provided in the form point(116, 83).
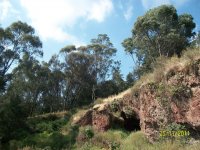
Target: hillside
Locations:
point(144, 116)
point(167, 99)
point(65, 83)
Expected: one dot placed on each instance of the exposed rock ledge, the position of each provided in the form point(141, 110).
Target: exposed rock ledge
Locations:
point(156, 104)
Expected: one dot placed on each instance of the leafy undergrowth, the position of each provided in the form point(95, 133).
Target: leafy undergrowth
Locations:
point(122, 140)
point(49, 131)
point(54, 132)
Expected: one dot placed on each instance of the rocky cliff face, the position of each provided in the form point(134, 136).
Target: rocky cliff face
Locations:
point(152, 105)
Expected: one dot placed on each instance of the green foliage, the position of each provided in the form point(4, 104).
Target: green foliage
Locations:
point(47, 124)
point(175, 127)
point(15, 40)
point(43, 126)
point(106, 88)
point(118, 80)
point(128, 111)
point(160, 32)
point(68, 49)
point(58, 141)
point(55, 140)
point(85, 133)
point(114, 146)
point(130, 79)
point(47, 133)
point(135, 141)
point(110, 139)
point(166, 93)
point(36, 88)
point(86, 69)
point(88, 132)
point(163, 95)
point(115, 105)
point(12, 119)
point(113, 86)
point(180, 91)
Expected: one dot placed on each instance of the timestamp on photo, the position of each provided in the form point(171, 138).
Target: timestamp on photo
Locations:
point(178, 133)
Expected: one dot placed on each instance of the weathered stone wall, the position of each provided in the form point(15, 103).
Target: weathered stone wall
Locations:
point(174, 99)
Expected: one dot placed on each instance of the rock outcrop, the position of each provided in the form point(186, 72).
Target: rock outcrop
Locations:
point(155, 104)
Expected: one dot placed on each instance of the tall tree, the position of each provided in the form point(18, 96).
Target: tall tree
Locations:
point(88, 66)
point(79, 75)
point(15, 40)
point(160, 32)
point(54, 92)
point(102, 51)
point(130, 79)
point(28, 82)
point(118, 80)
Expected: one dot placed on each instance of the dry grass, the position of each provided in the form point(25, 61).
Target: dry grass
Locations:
point(165, 65)
point(118, 96)
point(58, 114)
point(78, 115)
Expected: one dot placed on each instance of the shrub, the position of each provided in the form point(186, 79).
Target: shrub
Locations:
point(85, 133)
point(175, 127)
point(135, 141)
point(51, 117)
point(44, 126)
point(179, 92)
point(89, 133)
point(43, 140)
point(128, 112)
point(109, 140)
point(58, 141)
point(115, 105)
point(12, 119)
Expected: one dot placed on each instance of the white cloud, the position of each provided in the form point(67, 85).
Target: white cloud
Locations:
point(126, 8)
point(147, 4)
point(8, 12)
point(99, 9)
point(52, 18)
point(128, 13)
point(5, 6)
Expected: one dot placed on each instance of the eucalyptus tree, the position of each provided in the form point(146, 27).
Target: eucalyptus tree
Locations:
point(88, 66)
point(160, 32)
point(103, 52)
point(15, 40)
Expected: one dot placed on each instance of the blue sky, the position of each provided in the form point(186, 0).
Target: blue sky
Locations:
point(63, 22)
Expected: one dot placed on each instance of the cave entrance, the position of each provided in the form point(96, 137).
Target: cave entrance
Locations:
point(131, 123)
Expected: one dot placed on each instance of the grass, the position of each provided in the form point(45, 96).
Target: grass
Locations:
point(164, 66)
point(135, 141)
point(120, 140)
point(58, 114)
point(54, 130)
point(118, 96)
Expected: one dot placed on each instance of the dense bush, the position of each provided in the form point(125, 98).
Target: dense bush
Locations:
point(12, 119)
point(115, 105)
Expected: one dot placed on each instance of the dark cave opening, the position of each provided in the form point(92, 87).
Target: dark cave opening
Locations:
point(131, 123)
point(193, 132)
